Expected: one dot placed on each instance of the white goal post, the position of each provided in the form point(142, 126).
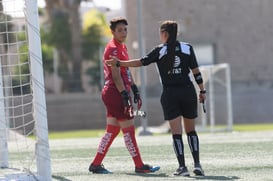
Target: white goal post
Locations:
point(24, 146)
point(219, 98)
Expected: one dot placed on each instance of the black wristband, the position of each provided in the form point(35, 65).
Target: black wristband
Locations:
point(203, 91)
point(118, 63)
point(198, 78)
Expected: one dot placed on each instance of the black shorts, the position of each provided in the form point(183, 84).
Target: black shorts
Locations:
point(179, 101)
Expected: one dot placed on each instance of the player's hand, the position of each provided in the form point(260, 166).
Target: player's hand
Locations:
point(202, 97)
point(137, 98)
point(112, 62)
point(127, 103)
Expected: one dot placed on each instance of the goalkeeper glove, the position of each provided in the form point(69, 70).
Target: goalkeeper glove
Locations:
point(128, 108)
point(137, 98)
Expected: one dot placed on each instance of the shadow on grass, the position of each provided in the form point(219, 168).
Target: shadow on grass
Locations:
point(148, 174)
point(59, 178)
point(216, 177)
point(192, 177)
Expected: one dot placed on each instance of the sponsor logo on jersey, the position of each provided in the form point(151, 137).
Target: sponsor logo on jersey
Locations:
point(177, 61)
point(176, 69)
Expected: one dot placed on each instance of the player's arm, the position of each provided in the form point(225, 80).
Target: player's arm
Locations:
point(133, 82)
point(197, 75)
point(199, 80)
point(117, 78)
point(128, 108)
point(137, 98)
point(115, 62)
point(115, 71)
point(151, 57)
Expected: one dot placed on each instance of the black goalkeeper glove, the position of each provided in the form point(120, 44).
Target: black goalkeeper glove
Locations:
point(128, 108)
point(137, 98)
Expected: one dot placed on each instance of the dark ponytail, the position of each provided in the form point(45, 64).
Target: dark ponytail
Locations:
point(171, 28)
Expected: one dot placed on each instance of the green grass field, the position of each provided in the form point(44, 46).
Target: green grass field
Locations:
point(244, 154)
point(96, 133)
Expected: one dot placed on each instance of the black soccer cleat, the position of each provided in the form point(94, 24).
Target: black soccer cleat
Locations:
point(182, 171)
point(197, 170)
point(147, 169)
point(98, 169)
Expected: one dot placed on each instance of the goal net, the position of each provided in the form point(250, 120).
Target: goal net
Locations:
point(24, 147)
point(218, 105)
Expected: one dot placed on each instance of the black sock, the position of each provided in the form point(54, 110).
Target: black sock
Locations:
point(193, 142)
point(179, 149)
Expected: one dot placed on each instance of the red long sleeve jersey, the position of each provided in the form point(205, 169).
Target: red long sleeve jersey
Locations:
point(119, 50)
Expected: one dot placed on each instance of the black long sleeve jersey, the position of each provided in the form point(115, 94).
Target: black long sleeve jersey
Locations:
point(184, 61)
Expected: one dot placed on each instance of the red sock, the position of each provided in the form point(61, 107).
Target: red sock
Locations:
point(105, 143)
point(131, 144)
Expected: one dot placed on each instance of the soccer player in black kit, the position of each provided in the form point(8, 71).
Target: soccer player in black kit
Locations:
point(175, 60)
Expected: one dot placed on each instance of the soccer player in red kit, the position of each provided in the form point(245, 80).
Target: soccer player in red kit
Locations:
point(118, 103)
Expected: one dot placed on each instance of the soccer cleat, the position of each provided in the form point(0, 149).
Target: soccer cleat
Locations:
point(147, 169)
point(182, 171)
point(198, 170)
point(99, 169)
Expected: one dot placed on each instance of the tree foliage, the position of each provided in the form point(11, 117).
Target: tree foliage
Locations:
point(95, 30)
point(56, 34)
point(59, 34)
point(64, 34)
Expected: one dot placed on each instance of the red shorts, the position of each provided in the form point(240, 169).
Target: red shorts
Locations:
point(113, 102)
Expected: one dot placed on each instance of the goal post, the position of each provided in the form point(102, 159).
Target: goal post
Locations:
point(24, 141)
point(3, 127)
point(219, 98)
point(39, 102)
